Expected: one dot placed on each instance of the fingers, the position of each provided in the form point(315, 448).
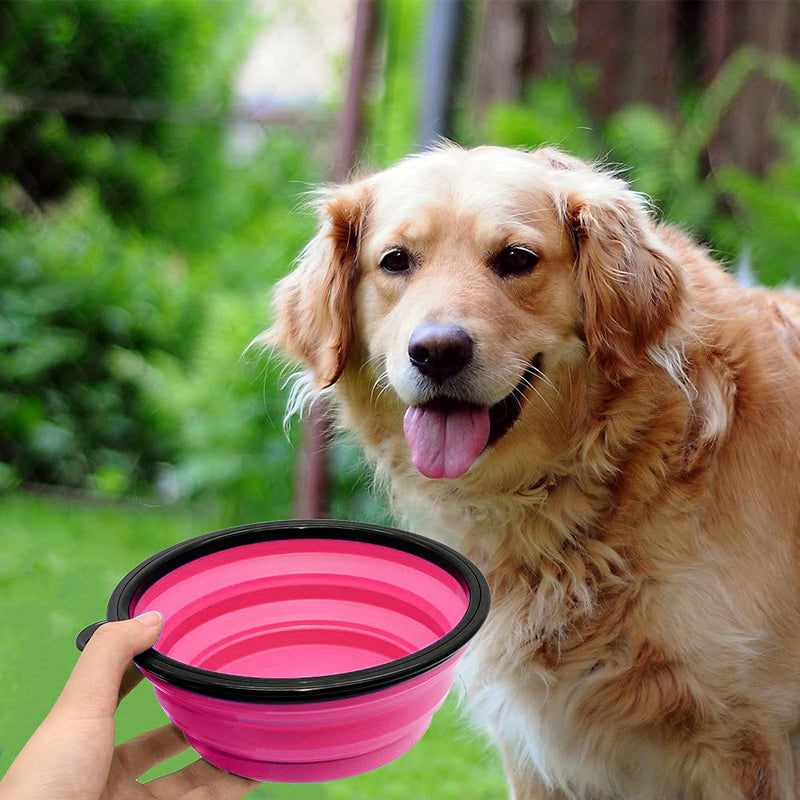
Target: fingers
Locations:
point(201, 781)
point(227, 787)
point(143, 752)
point(94, 686)
point(179, 783)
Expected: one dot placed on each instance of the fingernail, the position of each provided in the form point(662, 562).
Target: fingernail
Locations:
point(149, 618)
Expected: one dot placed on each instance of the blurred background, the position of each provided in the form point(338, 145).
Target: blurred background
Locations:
point(154, 160)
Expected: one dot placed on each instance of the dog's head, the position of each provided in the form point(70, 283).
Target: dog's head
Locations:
point(458, 280)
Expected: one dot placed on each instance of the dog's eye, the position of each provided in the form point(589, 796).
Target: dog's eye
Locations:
point(514, 260)
point(396, 260)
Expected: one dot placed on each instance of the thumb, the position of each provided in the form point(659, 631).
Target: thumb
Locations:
point(93, 687)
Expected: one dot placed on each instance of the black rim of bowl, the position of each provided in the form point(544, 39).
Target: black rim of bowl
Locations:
point(324, 687)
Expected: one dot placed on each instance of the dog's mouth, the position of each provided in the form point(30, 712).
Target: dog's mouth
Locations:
point(447, 436)
point(504, 414)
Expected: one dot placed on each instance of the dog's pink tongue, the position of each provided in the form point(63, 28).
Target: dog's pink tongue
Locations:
point(445, 442)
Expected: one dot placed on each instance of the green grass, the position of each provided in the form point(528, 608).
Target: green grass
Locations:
point(59, 562)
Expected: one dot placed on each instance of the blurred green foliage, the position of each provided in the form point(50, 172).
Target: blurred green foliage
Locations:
point(393, 113)
point(78, 298)
point(227, 412)
point(104, 85)
point(552, 112)
point(137, 253)
point(137, 258)
point(766, 218)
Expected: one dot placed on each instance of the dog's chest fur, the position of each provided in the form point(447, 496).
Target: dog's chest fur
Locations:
point(559, 601)
point(567, 613)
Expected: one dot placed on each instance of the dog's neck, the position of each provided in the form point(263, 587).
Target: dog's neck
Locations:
point(558, 522)
point(575, 468)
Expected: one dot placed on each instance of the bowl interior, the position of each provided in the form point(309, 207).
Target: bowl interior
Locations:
point(299, 608)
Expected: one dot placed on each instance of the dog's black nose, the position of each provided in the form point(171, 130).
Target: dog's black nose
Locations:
point(440, 351)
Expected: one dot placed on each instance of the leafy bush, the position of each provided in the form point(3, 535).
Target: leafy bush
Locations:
point(226, 414)
point(767, 222)
point(151, 219)
point(768, 208)
point(78, 298)
point(248, 217)
point(105, 86)
point(551, 113)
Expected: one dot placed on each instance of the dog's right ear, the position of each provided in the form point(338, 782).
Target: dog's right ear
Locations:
point(313, 307)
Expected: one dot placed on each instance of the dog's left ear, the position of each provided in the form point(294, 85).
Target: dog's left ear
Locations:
point(313, 306)
point(631, 286)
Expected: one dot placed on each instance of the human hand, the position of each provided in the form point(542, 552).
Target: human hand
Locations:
point(71, 756)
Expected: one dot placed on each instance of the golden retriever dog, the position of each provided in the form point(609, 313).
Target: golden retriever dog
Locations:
point(583, 402)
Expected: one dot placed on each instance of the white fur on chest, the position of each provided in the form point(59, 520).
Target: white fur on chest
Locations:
point(530, 714)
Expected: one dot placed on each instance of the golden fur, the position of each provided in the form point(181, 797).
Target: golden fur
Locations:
point(639, 524)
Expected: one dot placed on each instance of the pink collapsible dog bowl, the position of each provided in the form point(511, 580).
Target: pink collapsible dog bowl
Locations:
point(306, 650)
